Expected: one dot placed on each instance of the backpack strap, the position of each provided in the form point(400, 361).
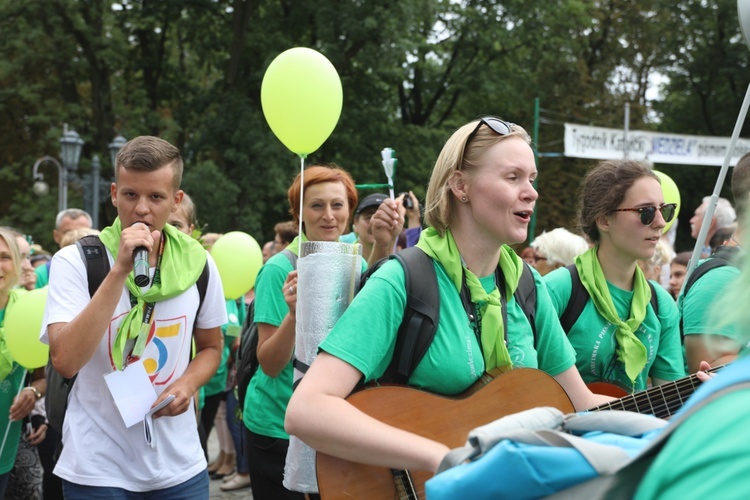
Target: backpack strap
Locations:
point(292, 258)
point(579, 297)
point(421, 316)
point(94, 256)
point(723, 256)
point(525, 295)
point(202, 285)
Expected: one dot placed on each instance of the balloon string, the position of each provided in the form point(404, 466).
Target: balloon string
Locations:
point(301, 200)
point(7, 427)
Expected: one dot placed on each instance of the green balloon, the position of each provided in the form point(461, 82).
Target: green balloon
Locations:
point(671, 195)
point(238, 258)
point(23, 322)
point(302, 97)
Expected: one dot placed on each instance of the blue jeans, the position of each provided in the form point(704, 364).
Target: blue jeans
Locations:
point(195, 488)
point(236, 428)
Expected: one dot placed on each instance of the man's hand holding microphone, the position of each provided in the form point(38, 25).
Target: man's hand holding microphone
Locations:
point(136, 242)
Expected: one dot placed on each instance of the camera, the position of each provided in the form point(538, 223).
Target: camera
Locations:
point(408, 202)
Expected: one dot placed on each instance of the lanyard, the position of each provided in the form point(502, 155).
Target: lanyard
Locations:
point(148, 312)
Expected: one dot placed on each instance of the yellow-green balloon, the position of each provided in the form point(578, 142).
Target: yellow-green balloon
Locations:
point(671, 195)
point(238, 258)
point(23, 321)
point(302, 97)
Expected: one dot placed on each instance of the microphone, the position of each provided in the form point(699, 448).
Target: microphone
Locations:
point(140, 266)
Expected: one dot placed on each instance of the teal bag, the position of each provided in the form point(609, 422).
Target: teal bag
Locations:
point(538, 452)
point(541, 452)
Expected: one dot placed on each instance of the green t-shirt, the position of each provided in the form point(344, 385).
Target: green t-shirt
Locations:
point(696, 310)
point(218, 382)
point(706, 457)
point(8, 390)
point(365, 336)
point(267, 397)
point(593, 337)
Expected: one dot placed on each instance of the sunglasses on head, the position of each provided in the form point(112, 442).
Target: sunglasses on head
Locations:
point(648, 214)
point(500, 127)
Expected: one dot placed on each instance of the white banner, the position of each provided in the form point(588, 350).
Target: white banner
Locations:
point(600, 143)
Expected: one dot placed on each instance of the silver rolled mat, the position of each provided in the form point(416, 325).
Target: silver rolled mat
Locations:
point(328, 276)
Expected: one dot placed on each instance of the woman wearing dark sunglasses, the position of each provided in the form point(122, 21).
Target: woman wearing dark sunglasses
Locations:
point(479, 200)
point(619, 339)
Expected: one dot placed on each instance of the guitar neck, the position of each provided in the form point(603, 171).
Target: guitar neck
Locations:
point(661, 401)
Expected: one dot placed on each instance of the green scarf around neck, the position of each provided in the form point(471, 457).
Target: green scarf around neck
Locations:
point(444, 250)
point(631, 352)
point(181, 266)
point(6, 358)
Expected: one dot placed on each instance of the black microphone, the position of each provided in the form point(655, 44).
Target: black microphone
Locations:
point(140, 266)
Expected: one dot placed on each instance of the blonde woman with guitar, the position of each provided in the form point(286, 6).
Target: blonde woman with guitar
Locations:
point(479, 200)
point(623, 335)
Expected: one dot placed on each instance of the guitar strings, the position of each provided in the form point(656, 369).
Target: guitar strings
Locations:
point(673, 396)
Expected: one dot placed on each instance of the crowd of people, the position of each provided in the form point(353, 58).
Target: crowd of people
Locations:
point(638, 324)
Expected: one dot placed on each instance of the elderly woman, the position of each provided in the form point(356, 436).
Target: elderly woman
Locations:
point(479, 201)
point(557, 248)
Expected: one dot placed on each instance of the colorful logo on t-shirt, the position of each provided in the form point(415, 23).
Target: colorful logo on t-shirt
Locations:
point(167, 349)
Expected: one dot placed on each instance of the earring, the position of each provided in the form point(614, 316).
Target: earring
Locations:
point(464, 199)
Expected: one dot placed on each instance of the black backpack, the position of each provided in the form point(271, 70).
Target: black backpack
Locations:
point(247, 354)
point(579, 296)
point(94, 255)
point(723, 256)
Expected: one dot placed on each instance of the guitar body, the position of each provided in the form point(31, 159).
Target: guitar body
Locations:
point(443, 419)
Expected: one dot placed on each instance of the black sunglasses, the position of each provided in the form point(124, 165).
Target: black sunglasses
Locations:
point(500, 127)
point(649, 213)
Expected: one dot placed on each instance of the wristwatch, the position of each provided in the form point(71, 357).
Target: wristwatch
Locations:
point(37, 394)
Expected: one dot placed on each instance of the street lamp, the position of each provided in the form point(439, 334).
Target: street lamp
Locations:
point(41, 188)
point(114, 148)
point(98, 185)
point(71, 145)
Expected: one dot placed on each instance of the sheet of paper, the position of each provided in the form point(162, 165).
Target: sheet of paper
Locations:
point(132, 391)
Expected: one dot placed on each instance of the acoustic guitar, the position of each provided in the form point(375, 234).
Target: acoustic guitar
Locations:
point(448, 420)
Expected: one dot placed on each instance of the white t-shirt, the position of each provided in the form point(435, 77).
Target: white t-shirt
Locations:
point(98, 450)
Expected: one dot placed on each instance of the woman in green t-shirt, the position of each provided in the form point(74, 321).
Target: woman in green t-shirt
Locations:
point(330, 199)
point(619, 339)
point(479, 200)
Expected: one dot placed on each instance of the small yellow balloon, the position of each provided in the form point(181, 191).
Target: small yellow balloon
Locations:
point(238, 258)
point(23, 322)
point(301, 96)
point(671, 195)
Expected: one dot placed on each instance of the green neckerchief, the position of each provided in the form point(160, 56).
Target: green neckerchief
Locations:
point(182, 263)
point(444, 250)
point(6, 358)
point(294, 245)
point(630, 351)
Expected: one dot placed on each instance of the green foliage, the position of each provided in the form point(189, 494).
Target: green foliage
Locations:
point(412, 72)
